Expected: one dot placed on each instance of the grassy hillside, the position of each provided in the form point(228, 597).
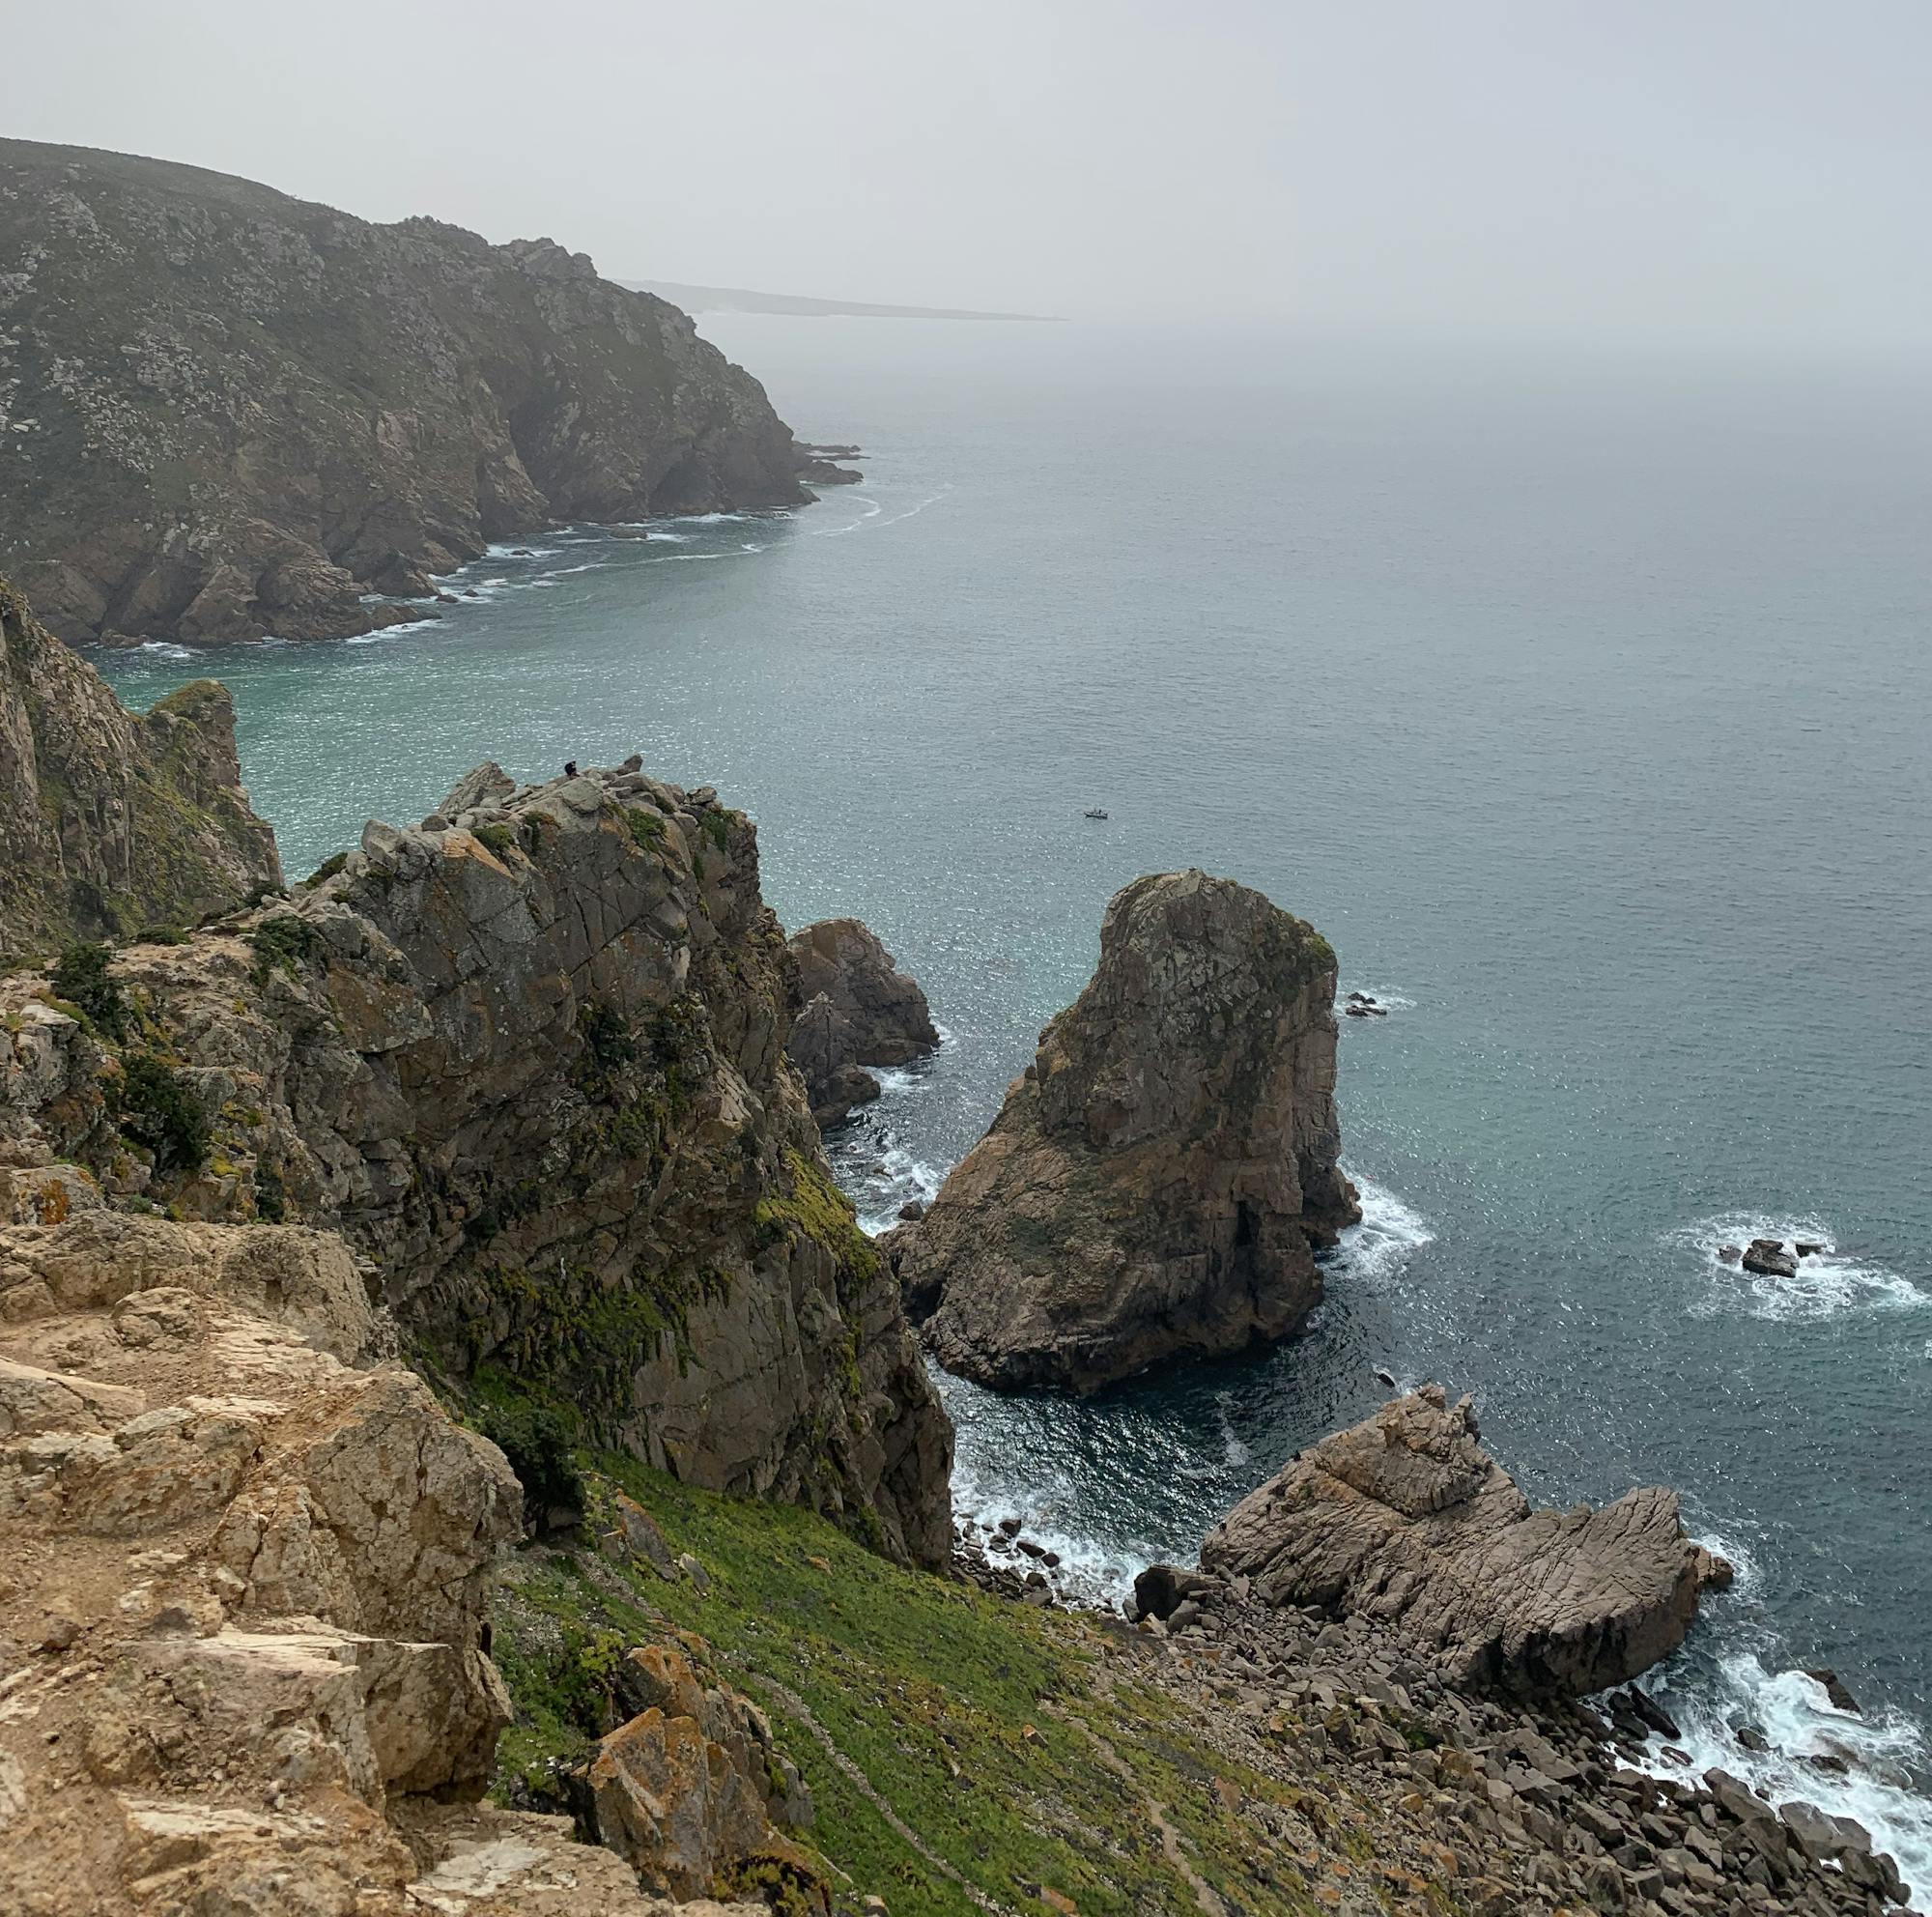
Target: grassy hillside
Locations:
point(963, 1753)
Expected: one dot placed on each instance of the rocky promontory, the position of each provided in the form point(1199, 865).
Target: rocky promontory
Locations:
point(229, 413)
point(529, 1059)
point(1407, 1521)
point(1159, 1176)
point(112, 820)
point(856, 1008)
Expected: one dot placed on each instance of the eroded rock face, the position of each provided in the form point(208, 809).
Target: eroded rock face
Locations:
point(243, 1614)
point(1158, 1178)
point(857, 1009)
point(1404, 1519)
point(110, 820)
point(531, 1063)
point(229, 413)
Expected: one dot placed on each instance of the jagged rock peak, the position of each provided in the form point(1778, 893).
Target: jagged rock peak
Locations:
point(1406, 1520)
point(1157, 1179)
point(112, 820)
point(229, 413)
point(530, 1060)
point(857, 1009)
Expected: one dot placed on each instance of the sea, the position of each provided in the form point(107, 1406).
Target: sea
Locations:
point(1582, 697)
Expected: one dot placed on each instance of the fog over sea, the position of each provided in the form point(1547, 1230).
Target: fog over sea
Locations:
point(1584, 703)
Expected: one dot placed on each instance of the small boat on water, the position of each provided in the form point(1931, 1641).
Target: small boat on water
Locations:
point(1096, 812)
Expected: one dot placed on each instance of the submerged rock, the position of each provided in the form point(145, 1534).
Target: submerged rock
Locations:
point(1407, 1521)
point(1158, 1178)
point(857, 1009)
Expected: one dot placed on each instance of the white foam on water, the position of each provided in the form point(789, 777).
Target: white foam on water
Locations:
point(712, 517)
point(1390, 1233)
point(589, 565)
point(499, 551)
point(165, 648)
point(1394, 1000)
point(1882, 1751)
point(1828, 1282)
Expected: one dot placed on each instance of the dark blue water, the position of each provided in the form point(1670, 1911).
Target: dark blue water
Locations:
point(1585, 705)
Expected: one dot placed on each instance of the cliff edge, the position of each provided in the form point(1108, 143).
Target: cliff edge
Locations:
point(112, 820)
point(529, 1058)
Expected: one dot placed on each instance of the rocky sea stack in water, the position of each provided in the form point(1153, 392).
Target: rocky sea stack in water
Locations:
point(1407, 1521)
point(1158, 1178)
point(228, 412)
point(857, 1009)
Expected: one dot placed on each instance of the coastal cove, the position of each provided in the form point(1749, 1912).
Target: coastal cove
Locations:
point(1534, 686)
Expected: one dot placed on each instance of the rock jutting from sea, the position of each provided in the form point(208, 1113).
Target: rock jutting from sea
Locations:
point(1160, 1176)
point(856, 1008)
point(229, 413)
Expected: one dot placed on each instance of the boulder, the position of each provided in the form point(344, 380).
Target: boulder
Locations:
point(1159, 1178)
point(688, 1789)
point(857, 1009)
point(1406, 1520)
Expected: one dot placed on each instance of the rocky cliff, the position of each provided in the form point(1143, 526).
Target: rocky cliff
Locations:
point(1406, 1520)
point(529, 1058)
point(111, 822)
point(858, 1009)
point(229, 413)
point(1158, 1177)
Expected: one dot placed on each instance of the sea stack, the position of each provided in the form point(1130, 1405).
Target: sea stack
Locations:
point(856, 1008)
point(1159, 1176)
point(1407, 1521)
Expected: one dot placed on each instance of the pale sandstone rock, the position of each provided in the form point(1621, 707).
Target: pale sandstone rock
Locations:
point(1406, 1520)
point(268, 1567)
point(1159, 1176)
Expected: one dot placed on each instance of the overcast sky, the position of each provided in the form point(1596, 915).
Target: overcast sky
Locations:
point(1745, 168)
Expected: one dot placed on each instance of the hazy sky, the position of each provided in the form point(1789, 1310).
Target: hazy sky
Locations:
point(1750, 168)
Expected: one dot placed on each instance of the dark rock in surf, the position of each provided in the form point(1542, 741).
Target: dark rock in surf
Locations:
point(857, 1009)
point(1768, 1258)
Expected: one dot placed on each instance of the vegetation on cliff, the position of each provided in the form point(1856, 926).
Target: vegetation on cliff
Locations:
point(230, 413)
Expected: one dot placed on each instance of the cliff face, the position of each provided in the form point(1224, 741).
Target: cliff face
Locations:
point(531, 1060)
point(110, 821)
point(229, 413)
point(1156, 1178)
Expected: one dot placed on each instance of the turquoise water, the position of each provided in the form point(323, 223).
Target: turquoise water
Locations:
point(1585, 706)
